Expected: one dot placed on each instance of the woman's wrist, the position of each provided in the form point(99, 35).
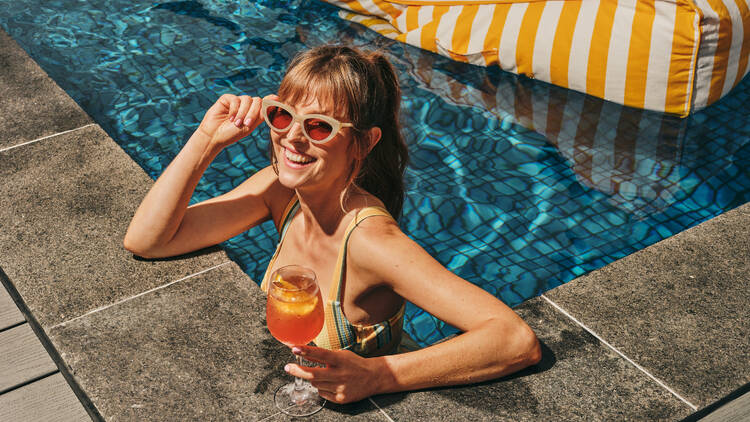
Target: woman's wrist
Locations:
point(384, 376)
point(205, 141)
point(204, 147)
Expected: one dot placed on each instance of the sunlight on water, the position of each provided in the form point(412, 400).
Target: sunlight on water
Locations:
point(515, 185)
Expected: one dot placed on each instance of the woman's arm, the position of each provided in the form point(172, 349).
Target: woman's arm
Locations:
point(163, 225)
point(495, 341)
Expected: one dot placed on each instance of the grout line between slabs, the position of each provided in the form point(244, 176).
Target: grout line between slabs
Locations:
point(269, 417)
point(45, 137)
point(639, 367)
point(101, 308)
point(381, 410)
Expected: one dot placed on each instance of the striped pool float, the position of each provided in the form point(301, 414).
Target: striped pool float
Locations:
point(673, 56)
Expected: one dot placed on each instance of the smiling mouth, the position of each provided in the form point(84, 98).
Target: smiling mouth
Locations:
point(297, 158)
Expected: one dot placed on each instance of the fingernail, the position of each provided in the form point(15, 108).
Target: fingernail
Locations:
point(296, 350)
point(287, 367)
point(248, 121)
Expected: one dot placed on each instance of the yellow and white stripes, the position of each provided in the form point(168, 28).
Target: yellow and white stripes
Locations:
point(636, 74)
point(581, 46)
point(545, 39)
point(674, 56)
point(659, 54)
point(622, 23)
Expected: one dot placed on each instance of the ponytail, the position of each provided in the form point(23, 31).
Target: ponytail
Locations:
point(382, 170)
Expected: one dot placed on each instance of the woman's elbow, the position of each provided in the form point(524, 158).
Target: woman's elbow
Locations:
point(518, 345)
point(531, 349)
point(132, 246)
point(524, 349)
point(138, 248)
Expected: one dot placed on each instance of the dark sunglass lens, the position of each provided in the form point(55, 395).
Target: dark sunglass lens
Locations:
point(318, 129)
point(279, 118)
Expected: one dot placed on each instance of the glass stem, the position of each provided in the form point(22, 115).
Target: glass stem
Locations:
point(298, 395)
point(298, 380)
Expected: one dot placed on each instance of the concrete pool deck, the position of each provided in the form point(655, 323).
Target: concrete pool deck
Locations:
point(659, 335)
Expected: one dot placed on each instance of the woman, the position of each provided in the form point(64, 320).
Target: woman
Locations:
point(332, 178)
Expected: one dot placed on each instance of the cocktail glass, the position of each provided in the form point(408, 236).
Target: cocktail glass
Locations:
point(294, 314)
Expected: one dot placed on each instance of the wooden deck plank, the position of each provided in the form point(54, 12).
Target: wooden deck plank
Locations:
point(737, 410)
point(23, 357)
point(48, 399)
point(9, 313)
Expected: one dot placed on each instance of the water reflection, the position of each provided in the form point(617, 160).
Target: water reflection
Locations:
point(515, 185)
point(633, 156)
point(640, 176)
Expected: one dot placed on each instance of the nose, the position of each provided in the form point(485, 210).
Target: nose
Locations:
point(295, 133)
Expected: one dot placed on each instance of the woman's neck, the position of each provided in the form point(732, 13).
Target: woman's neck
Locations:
point(321, 212)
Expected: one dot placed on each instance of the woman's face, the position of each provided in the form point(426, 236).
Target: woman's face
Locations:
point(305, 165)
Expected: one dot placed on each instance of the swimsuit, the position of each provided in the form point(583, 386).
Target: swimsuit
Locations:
point(338, 333)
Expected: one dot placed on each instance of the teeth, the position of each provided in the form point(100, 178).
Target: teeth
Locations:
point(297, 158)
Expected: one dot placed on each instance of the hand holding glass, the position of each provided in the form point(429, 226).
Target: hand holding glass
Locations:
point(294, 314)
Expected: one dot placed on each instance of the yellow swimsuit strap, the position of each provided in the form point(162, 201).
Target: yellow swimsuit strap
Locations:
point(286, 218)
point(338, 332)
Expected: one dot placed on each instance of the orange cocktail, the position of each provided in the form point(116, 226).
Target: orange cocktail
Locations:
point(294, 312)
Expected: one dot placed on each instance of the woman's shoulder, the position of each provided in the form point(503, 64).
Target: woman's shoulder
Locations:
point(370, 215)
point(265, 182)
point(375, 234)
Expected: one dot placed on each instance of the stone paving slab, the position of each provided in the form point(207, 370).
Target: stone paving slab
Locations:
point(678, 308)
point(194, 350)
point(65, 203)
point(361, 411)
point(199, 350)
point(579, 379)
point(33, 105)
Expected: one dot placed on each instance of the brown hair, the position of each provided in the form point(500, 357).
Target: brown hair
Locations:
point(364, 89)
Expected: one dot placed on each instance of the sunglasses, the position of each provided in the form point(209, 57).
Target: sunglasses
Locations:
point(317, 128)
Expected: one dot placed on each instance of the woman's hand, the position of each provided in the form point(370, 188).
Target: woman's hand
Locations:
point(346, 378)
point(231, 118)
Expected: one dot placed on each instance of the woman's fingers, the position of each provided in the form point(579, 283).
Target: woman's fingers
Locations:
point(317, 354)
point(234, 105)
point(231, 118)
point(309, 373)
point(225, 101)
point(331, 387)
point(335, 392)
point(247, 113)
point(332, 397)
point(245, 102)
point(253, 115)
point(345, 377)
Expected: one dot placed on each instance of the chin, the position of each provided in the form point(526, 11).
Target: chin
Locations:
point(289, 181)
point(292, 179)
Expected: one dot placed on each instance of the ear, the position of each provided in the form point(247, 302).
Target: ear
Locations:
point(374, 137)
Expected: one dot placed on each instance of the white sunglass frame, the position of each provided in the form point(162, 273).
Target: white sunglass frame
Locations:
point(300, 118)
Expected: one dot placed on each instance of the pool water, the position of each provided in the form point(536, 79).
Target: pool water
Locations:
point(514, 185)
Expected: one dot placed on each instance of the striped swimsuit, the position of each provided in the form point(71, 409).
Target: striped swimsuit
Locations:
point(338, 333)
